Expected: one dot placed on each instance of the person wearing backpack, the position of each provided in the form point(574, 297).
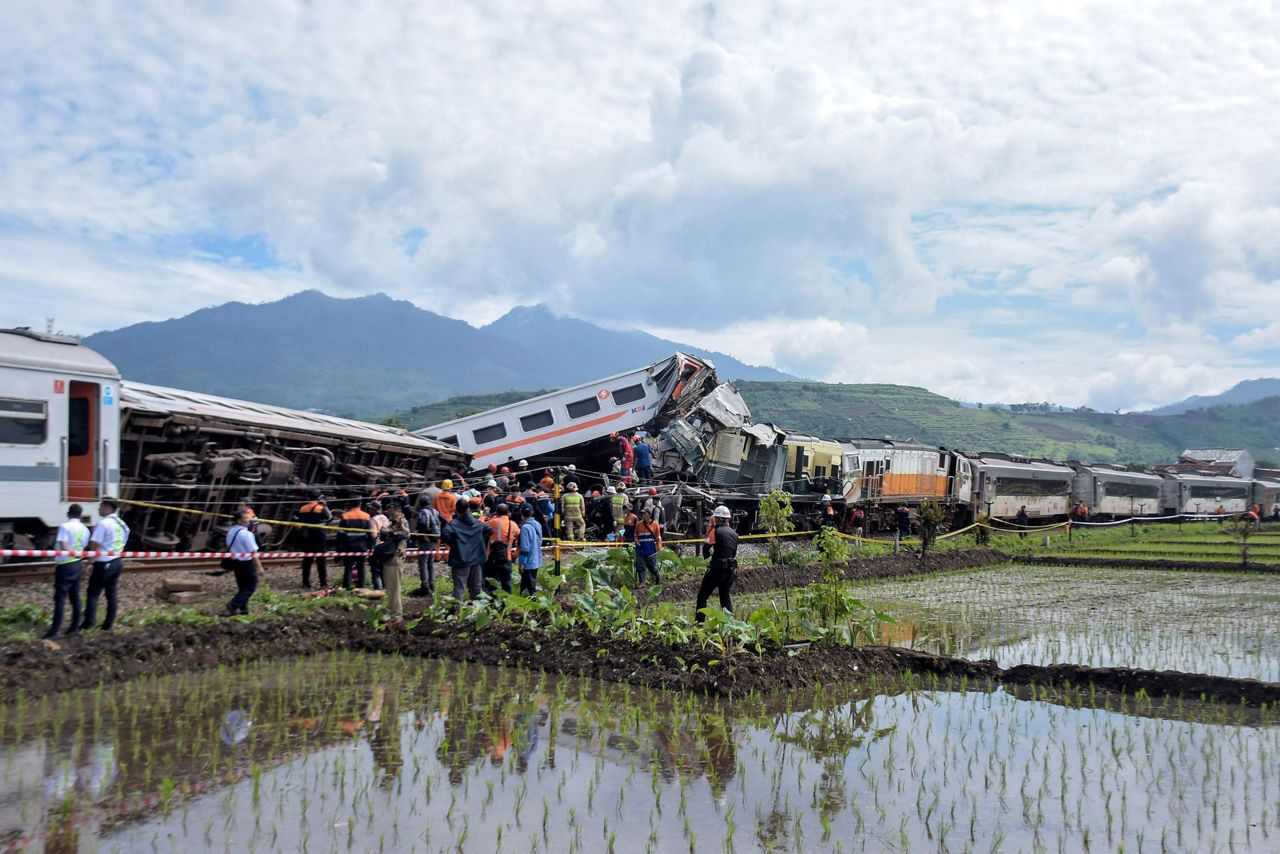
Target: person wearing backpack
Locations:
point(429, 540)
point(497, 569)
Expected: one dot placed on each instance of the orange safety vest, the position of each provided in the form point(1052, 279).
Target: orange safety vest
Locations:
point(508, 533)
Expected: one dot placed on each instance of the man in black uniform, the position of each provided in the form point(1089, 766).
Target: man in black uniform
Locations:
point(724, 563)
point(314, 512)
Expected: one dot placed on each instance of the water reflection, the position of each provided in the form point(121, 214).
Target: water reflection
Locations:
point(372, 753)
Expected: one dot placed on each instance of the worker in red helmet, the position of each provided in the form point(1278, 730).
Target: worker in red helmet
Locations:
point(654, 508)
point(503, 480)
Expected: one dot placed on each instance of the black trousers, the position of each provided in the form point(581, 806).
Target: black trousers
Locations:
point(427, 566)
point(528, 581)
point(246, 584)
point(353, 564)
point(498, 575)
point(102, 579)
point(66, 585)
point(719, 577)
point(321, 562)
point(375, 570)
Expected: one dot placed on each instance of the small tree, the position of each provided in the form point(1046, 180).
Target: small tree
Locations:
point(1242, 528)
point(774, 516)
point(833, 549)
point(930, 520)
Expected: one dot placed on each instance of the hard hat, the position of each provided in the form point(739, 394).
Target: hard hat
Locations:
point(493, 466)
point(447, 484)
point(573, 487)
point(611, 491)
point(572, 467)
point(524, 464)
point(504, 470)
point(491, 482)
point(826, 498)
point(722, 512)
point(653, 490)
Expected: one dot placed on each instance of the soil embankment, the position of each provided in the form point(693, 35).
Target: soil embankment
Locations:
point(1146, 563)
point(39, 668)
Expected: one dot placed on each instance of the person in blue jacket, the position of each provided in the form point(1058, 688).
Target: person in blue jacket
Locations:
point(529, 557)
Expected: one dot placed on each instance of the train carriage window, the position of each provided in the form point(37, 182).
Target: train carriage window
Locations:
point(1121, 489)
point(450, 440)
point(1032, 486)
point(23, 422)
point(1224, 491)
point(492, 433)
point(536, 421)
point(630, 394)
point(584, 407)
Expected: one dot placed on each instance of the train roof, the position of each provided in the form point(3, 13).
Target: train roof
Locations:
point(38, 351)
point(1215, 477)
point(865, 443)
point(1114, 472)
point(444, 427)
point(1003, 464)
point(151, 398)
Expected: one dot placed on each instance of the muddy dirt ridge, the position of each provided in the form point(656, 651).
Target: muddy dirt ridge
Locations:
point(39, 668)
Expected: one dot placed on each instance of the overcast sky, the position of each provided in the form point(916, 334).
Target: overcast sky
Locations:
point(1075, 202)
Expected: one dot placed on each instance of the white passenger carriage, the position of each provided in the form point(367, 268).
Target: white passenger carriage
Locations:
point(1115, 491)
point(59, 431)
point(1195, 492)
point(1006, 484)
point(552, 422)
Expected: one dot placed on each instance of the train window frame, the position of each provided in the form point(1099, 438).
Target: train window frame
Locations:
point(586, 406)
point(540, 419)
point(491, 433)
point(17, 411)
point(628, 394)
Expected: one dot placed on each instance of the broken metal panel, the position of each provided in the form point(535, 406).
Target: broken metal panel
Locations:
point(726, 405)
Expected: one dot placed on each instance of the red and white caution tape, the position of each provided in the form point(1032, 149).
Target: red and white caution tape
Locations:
point(193, 555)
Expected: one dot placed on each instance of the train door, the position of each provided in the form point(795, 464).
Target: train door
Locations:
point(83, 415)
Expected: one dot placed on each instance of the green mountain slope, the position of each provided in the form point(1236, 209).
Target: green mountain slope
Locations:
point(903, 412)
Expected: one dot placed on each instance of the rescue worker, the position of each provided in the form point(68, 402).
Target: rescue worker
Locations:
point(503, 479)
point(395, 535)
point(529, 552)
point(572, 505)
point(467, 539)
point(314, 512)
point(1023, 521)
point(548, 482)
point(73, 536)
point(858, 521)
point(356, 539)
point(648, 537)
point(546, 508)
point(617, 508)
point(381, 548)
point(109, 535)
point(446, 502)
point(247, 569)
point(827, 517)
point(502, 549)
point(902, 516)
point(724, 563)
point(627, 456)
point(644, 459)
point(524, 477)
point(654, 505)
point(429, 540)
point(569, 476)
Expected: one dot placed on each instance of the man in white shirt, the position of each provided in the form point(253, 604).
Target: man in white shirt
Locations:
point(109, 535)
point(73, 536)
point(240, 541)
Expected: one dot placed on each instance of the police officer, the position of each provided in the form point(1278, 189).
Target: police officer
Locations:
point(314, 512)
point(109, 535)
point(73, 536)
point(724, 563)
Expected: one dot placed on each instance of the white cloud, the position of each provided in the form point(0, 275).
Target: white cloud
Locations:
point(970, 183)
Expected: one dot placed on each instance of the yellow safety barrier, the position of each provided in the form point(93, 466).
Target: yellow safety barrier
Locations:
point(284, 522)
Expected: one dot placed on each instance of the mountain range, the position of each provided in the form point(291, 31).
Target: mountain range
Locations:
point(1240, 393)
point(367, 356)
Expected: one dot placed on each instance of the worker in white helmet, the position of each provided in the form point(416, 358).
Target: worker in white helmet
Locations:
point(724, 562)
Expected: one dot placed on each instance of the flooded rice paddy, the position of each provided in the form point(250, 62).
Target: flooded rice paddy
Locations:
point(1222, 624)
point(347, 752)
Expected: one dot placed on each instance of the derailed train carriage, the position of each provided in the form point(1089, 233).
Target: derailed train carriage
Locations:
point(71, 430)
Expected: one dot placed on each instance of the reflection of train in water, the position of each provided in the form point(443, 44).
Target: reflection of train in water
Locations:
point(72, 430)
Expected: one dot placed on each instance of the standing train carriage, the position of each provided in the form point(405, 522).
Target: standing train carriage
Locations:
point(1190, 492)
point(1115, 492)
point(72, 431)
point(1266, 494)
point(1007, 483)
